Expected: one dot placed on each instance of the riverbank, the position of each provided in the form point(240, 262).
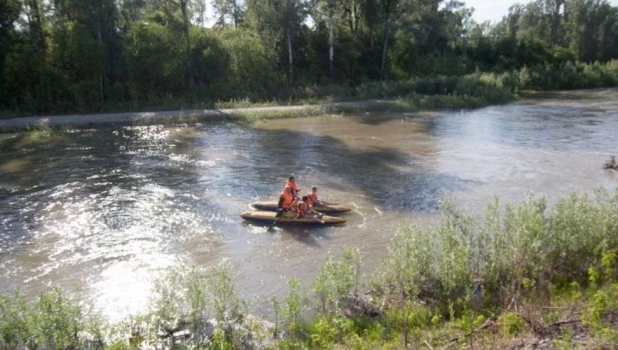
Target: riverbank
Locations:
point(249, 114)
point(603, 98)
point(181, 116)
point(535, 244)
point(441, 92)
point(531, 278)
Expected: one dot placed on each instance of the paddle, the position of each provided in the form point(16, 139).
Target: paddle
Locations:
point(278, 217)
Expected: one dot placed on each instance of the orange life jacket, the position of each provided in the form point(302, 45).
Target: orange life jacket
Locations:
point(293, 185)
point(287, 199)
point(313, 198)
point(303, 208)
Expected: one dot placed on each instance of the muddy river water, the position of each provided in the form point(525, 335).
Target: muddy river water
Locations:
point(107, 209)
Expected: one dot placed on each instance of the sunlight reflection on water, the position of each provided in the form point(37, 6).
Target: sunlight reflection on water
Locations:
point(111, 208)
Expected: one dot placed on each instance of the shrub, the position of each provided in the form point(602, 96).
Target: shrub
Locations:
point(512, 323)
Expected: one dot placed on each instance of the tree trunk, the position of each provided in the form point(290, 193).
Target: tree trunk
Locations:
point(235, 10)
point(387, 21)
point(36, 25)
point(185, 29)
point(331, 49)
point(288, 35)
point(101, 60)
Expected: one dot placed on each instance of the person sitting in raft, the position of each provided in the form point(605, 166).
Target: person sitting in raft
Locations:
point(313, 198)
point(292, 183)
point(304, 210)
point(286, 202)
point(611, 163)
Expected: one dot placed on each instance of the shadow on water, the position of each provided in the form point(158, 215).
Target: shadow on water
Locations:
point(389, 177)
point(132, 176)
point(375, 118)
point(118, 194)
point(309, 235)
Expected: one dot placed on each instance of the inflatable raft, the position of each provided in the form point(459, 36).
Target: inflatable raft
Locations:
point(326, 209)
point(269, 218)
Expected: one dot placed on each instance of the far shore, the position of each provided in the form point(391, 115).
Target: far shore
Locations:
point(604, 98)
point(177, 115)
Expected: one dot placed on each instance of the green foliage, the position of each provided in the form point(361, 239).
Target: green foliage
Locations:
point(277, 310)
point(196, 297)
point(77, 57)
point(190, 296)
point(219, 340)
point(602, 301)
point(335, 281)
point(512, 323)
point(154, 62)
point(326, 331)
point(514, 254)
point(455, 234)
point(250, 73)
point(226, 304)
point(53, 321)
point(568, 75)
point(13, 321)
point(409, 261)
point(593, 317)
point(608, 261)
point(292, 309)
point(435, 282)
point(564, 342)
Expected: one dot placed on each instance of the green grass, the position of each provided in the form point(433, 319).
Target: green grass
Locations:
point(467, 91)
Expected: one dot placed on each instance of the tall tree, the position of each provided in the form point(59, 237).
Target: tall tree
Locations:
point(34, 14)
point(325, 11)
point(389, 9)
point(276, 21)
point(229, 11)
point(9, 13)
point(199, 10)
point(86, 36)
point(130, 11)
point(370, 13)
point(171, 8)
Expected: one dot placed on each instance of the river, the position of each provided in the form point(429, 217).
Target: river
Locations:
point(107, 209)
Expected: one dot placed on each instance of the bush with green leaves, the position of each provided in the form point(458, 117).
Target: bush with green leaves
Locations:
point(337, 279)
point(512, 323)
point(52, 321)
point(187, 299)
point(515, 253)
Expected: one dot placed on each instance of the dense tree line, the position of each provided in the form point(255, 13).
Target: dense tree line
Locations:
point(86, 55)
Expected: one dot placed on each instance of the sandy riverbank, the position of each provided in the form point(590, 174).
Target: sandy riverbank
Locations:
point(162, 116)
point(591, 98)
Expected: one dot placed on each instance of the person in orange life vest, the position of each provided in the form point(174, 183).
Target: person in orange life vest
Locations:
point(313, 198)
point(304, 210)
point(290, 182)
point(286, 201)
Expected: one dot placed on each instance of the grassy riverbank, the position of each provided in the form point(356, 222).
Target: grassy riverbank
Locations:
point(522, 276)
point(412, 95)
point(426, 93)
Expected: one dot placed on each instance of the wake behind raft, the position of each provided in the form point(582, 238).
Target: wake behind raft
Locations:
point(270, 217)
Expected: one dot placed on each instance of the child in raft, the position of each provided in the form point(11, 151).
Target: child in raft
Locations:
point(304, 210)
point(313, 198)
